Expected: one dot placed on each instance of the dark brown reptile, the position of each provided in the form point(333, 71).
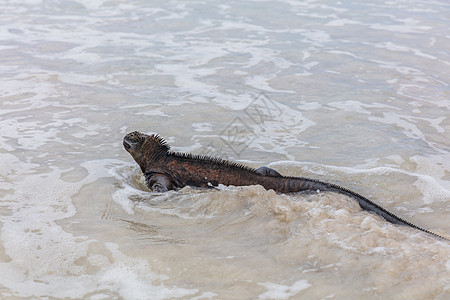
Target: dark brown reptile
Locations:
point(165, 170)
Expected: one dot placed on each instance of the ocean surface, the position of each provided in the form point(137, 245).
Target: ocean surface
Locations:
point(350, 92)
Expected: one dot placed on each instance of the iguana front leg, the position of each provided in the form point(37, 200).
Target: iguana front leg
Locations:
point(158, 183)
point(266, 171)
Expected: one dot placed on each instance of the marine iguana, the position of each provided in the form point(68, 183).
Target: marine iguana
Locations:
point(166, 170)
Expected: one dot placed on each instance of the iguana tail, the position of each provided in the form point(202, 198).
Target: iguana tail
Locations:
point(298, 184)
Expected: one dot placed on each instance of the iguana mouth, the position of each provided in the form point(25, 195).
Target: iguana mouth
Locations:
point(127, 145)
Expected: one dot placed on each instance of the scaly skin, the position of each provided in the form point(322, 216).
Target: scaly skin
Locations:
point(165, 170)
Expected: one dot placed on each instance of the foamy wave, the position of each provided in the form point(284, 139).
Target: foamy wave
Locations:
point(40, 248)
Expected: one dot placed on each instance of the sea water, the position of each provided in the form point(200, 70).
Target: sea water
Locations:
point(350, 92)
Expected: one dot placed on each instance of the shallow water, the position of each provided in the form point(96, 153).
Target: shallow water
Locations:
point(347, 92)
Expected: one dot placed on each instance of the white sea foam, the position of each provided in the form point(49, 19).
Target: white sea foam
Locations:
point(409, 26)
point(399, 48)
point(342, 22)
point(32, 238)
point(279, 291)
point(95, 4)
point(202, 127)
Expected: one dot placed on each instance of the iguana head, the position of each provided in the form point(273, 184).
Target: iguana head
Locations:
point(133, 141)
point(145, 149)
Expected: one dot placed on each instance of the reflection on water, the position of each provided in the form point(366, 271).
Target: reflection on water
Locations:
point(350, 93)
